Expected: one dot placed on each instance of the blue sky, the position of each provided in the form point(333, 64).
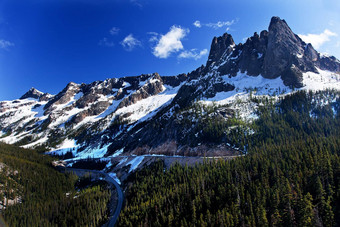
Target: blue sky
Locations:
point(47, 43)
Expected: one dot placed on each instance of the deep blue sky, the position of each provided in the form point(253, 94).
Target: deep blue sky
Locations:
point(47, 43)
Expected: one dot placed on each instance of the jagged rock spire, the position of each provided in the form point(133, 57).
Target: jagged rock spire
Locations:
point(219, 46)
point(277, 52)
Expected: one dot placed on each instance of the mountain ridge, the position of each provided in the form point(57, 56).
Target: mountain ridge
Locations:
point(124, 115)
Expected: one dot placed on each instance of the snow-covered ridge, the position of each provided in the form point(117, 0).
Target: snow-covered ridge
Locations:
point(27, 118)
point(121, 115)
point(31, 122)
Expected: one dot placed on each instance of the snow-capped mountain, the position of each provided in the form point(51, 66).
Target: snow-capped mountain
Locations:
point(153, 114)
point(39, 118)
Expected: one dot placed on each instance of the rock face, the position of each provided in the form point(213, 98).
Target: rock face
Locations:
point(275, 53)
point(63, 97)
point(282, 45)
point(328, 63)
point(154, 87)
point(150, 112)
point(222, 45)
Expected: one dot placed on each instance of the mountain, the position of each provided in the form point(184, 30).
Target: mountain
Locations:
point(192, 114)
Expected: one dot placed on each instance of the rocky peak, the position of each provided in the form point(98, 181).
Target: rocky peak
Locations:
point(252, 52)
point(276, 23)
point(71, 85)
point(32, 93)
point(277, 52)
point(156, 76)
point(282, 44)
point(117, 111)
point(219, 46)
point(64, 96)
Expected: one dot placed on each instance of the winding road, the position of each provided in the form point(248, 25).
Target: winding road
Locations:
point(114, 213)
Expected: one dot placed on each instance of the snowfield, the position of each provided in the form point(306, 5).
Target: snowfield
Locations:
point(144, 107)
point(321, 81)
point(250, 86)
point(135, 163)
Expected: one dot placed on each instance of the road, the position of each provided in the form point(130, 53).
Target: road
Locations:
point(114, 213)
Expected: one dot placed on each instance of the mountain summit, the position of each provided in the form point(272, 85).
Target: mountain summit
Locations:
point(175, 115)
point(275, 53)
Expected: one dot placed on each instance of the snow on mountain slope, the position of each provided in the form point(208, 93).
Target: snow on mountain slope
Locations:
point(142, 108)
point(322, 80)
point(247, 87)
point(245, 84)
point(31, 122)
point(121, 115)
point(17, 114)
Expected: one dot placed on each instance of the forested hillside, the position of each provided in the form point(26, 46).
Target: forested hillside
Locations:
point(290, 175)
point(45, 196)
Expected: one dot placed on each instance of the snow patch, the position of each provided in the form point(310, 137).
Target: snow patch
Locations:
point(126, 84)
point(143, 107)
point(247, 87)
point(66, 146)
point(97, 152)
point(118, 152)
point(135, 163)
point(114, 176)
point(39, 111)
point(244, 84)
point(299, 55)
point(122, 161)
point(109, 164)
point(323, 80)
point(36, 143)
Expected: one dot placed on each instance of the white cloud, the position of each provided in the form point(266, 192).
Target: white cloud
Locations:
point(193, 54)
point(218, 24)
point(197, 24)
point(114, 30)
point(105, 42)
point(154, 37)
point(130, 42)
point(4, 44)
point(170, 42)
point(317, 40)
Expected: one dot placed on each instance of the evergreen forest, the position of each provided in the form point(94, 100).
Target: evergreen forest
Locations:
point(289, 175)
point(46, 197)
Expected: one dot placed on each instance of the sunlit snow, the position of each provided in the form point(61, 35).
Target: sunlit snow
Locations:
point(135, 163)
point(321, 81)
point(114, 176)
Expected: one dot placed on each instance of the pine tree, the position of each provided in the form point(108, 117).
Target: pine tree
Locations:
point(305, 211)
